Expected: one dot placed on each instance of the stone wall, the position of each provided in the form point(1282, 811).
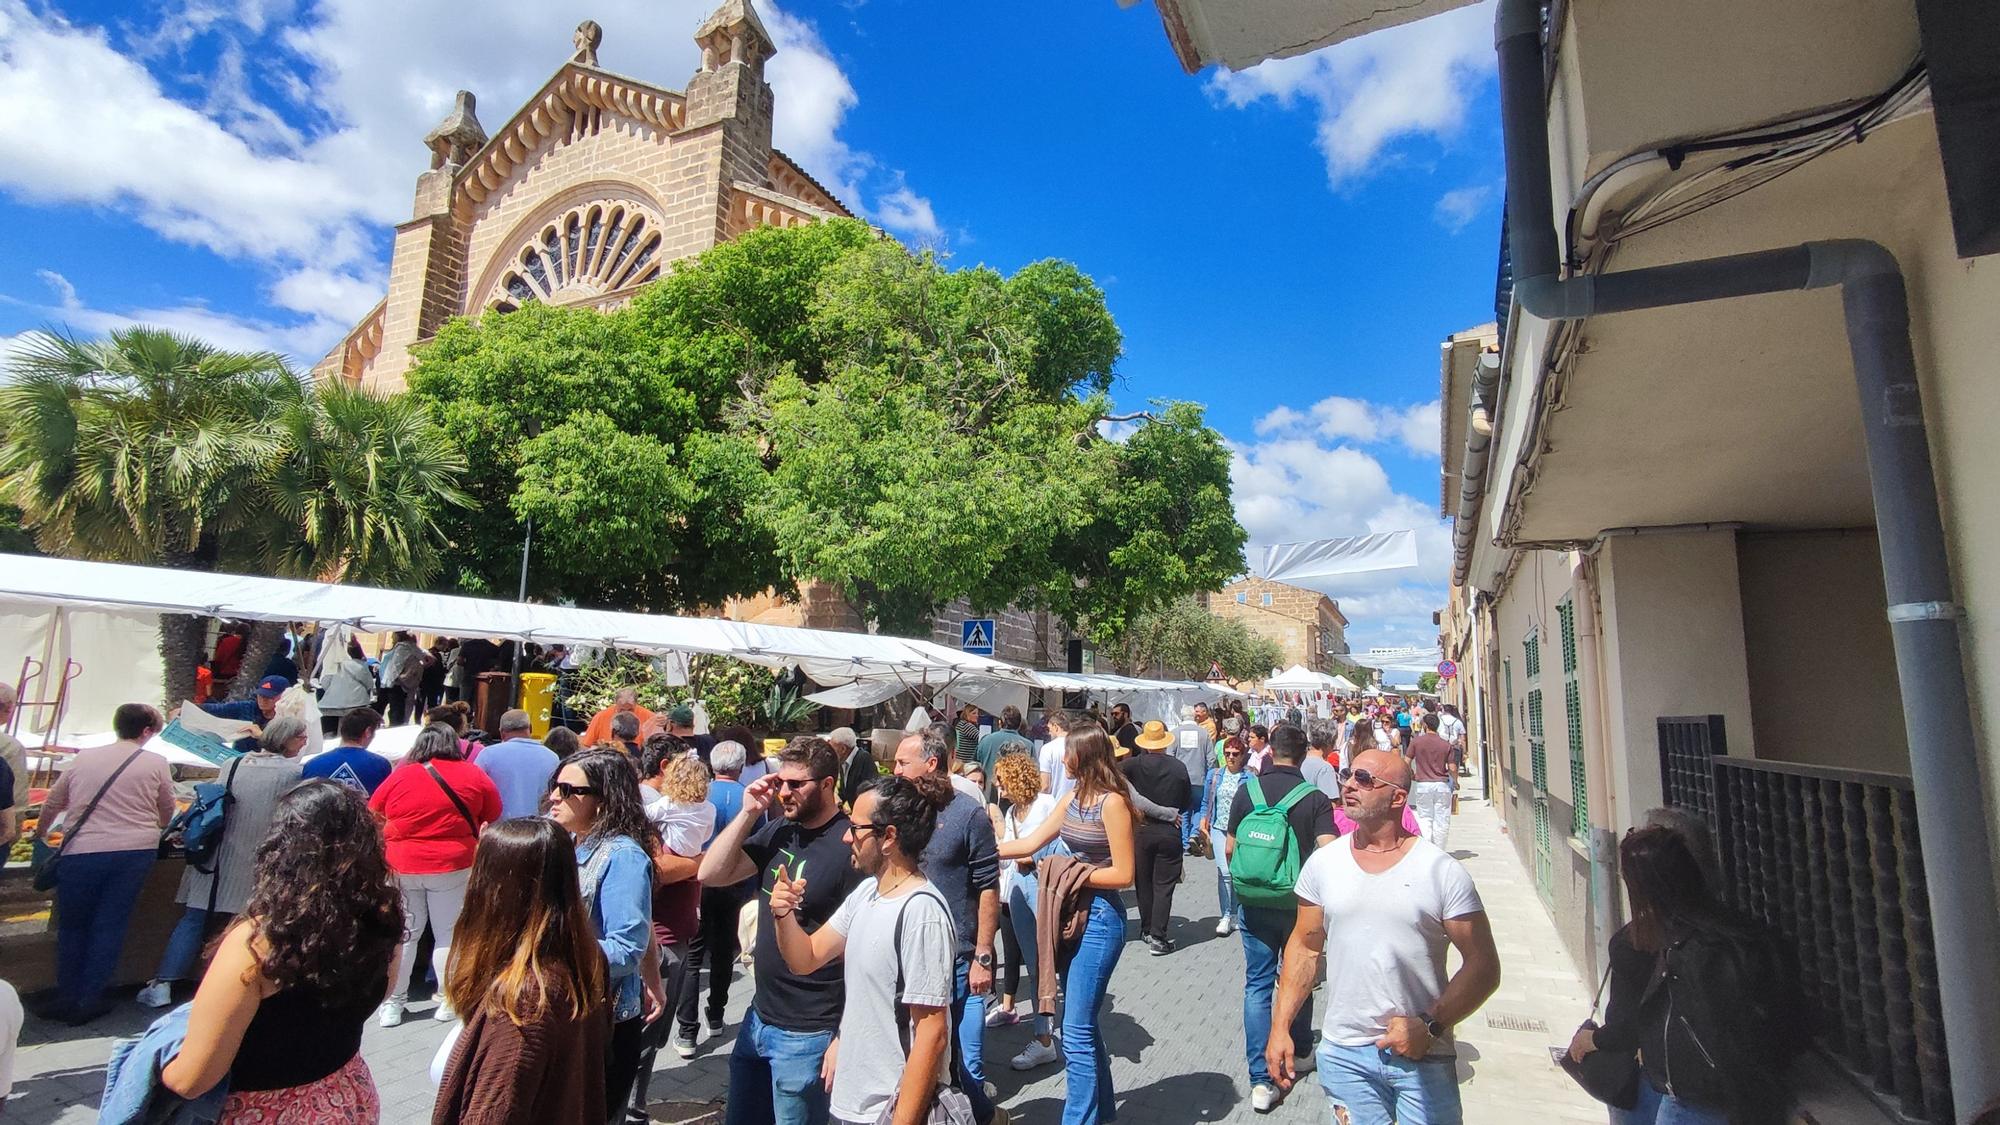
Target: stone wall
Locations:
point(1305, 623)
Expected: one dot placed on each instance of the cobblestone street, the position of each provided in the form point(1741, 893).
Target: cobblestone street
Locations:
point(1174, 1025)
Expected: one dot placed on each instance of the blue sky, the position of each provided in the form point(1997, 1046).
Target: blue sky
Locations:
point(1288, 244)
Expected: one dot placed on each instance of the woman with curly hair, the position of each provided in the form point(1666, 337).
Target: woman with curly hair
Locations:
point(1020, 783)
point(528, 976)
point(293, 980)
point(596, 797)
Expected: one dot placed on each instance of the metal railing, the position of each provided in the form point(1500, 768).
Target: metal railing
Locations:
point(1831, 859)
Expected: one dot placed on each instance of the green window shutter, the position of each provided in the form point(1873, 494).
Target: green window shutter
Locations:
point(1538, 756)
point(1513, 759)
point(1579, 788)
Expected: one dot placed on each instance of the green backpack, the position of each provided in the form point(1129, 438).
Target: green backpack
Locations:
point(1265, 865)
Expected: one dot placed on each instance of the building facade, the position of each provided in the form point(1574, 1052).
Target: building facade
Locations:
point(594, 187)
point(1307, 624)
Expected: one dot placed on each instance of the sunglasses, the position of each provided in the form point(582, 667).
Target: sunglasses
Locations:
point(790, 783)
point(565, 790)
point(1368, 780)
point(860, 829)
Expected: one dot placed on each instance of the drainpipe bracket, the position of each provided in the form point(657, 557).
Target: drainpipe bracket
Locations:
point(1926, 611)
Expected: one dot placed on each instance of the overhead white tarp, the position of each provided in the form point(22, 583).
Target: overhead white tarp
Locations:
point(828, 657)
point(1328, 558)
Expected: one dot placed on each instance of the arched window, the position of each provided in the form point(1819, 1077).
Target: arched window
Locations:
point(589, 250)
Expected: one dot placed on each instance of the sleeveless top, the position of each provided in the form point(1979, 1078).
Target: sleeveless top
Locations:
point(295, 1039)
point(1084, 835)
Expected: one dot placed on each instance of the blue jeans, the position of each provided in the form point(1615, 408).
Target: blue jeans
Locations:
point(1264, 934)
point(1088, 1094)
point(774, 1075)
point(1225, 889)
point(184, 946)
point(93, 908)
point(1191, 819)
point(1655, 1108)
point(968, 1021)
point(1021, 900)
point(1380, 1087)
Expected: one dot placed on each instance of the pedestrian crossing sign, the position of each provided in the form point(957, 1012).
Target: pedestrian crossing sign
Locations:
point(976, 636)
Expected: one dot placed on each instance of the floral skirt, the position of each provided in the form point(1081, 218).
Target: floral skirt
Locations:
point(345, 1096)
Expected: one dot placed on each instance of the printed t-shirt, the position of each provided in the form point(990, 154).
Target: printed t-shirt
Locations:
point(1310, 819)
point(822, 857)
point(871, 1036)
point(423, 833)
point(353, 766)
point(1385, 942)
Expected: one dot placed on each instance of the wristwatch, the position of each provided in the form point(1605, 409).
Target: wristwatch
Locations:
point(983, 960)
point(1431, 1025)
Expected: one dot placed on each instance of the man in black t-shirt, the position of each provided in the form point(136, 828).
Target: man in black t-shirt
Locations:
point(774, 1070)
point(1265, 929)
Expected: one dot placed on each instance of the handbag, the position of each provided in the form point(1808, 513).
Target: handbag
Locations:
point(47, 871)
point(1609, 1076)
point(949, 1104)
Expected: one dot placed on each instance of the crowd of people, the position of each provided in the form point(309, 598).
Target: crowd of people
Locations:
point(569, 893)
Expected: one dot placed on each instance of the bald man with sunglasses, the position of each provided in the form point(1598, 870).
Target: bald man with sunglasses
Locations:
point(1381, 905)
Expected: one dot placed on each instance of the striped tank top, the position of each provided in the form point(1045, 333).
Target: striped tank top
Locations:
point(1084, 835)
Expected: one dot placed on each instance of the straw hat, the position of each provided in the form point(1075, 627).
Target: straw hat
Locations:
point(1154, 736)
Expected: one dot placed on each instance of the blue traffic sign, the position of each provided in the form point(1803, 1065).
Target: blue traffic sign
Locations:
point(976, 636)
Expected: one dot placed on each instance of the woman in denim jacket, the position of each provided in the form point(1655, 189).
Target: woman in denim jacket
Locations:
point(596, 797)
point(1223, 781)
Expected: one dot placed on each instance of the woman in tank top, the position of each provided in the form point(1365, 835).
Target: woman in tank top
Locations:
point(280, 1010)
point(1095, 822)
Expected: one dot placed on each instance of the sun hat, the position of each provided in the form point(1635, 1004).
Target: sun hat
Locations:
point(1154, 736)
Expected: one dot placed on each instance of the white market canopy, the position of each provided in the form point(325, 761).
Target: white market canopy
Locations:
point(828, 657)
point(1297, 678)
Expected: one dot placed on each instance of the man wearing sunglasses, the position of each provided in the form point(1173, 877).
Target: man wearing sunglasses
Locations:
point(1381, 905)
point(782, 1064)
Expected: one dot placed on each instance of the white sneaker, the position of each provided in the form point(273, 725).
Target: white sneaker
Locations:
point(391, 1014)
point(157, 994)
point(1263, 1097)
point(1037, 1053)
point(444, 1014)
point(1225, 927)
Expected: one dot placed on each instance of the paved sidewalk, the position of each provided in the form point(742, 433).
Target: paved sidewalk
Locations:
point(1174, 1025)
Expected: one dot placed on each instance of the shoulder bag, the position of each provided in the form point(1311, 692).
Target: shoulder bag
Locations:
point(47, 874)
point(1609, 1076)
point(455, 800)
point(950, 1106)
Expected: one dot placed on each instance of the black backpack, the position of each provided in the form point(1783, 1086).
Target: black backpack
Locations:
point(1735, 1017)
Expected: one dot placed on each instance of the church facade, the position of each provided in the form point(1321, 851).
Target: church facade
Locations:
point(590, 190)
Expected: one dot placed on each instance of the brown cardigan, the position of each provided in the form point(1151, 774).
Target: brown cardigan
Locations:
point(550, 1072)
point(1061, 912)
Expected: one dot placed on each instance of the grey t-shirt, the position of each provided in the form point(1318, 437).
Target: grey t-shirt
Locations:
point(872, 1023)
point(962, 860)
point(1322, 774)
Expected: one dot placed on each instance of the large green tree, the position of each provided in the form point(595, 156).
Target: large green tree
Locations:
point(151, 447)
point(1180, 639)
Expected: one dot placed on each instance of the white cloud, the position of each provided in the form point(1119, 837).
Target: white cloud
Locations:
point(1370, 93)
point(308, 190)
point(1358, 420)
point(1457, 208)
point(301, 343)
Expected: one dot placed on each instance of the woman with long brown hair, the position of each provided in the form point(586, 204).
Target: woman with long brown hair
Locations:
point(292, 981)
point(528, 978)
point(1096, 823)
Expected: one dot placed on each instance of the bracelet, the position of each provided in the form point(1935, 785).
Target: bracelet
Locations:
point(775, 916)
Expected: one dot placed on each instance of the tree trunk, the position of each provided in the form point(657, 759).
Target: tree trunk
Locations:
point(181, 636)
point(265, 637)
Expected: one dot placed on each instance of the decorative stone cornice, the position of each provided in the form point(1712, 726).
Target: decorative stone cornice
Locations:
point(564, 107)
point(350, 358)
point(788, 178)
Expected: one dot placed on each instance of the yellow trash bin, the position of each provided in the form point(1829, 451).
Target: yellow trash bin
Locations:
point(538, 697)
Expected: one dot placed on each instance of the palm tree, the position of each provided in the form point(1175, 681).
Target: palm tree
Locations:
point(156, 448)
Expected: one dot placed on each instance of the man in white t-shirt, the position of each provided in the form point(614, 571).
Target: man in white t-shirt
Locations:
point(897, 937)
point(1382, 905)
point(1055, 775)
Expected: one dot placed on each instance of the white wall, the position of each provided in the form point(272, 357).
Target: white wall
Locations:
point(1673, 645)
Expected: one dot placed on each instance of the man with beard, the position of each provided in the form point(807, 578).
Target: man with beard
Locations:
point(1386, 1052)
point(895, 939)
point(785, 1049)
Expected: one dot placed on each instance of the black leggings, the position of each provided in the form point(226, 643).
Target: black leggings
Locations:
point(621, 1066)
point(1010, 955)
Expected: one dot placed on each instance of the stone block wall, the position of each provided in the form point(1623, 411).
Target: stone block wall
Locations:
point(1305, 623)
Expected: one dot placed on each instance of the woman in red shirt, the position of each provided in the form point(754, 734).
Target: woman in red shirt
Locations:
point(432, 807)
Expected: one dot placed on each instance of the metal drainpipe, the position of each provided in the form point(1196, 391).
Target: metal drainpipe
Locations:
point(1605, 899)
point(1930, 669)
point(1478, 452)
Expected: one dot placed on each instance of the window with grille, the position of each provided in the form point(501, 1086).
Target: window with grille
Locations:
point(1579, 790)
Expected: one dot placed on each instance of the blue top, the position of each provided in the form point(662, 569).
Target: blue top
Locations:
point(521, 769)
point(962, 861)
point(242, 711)
point(621, 907)
point(353, 766)
point(727, 797)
